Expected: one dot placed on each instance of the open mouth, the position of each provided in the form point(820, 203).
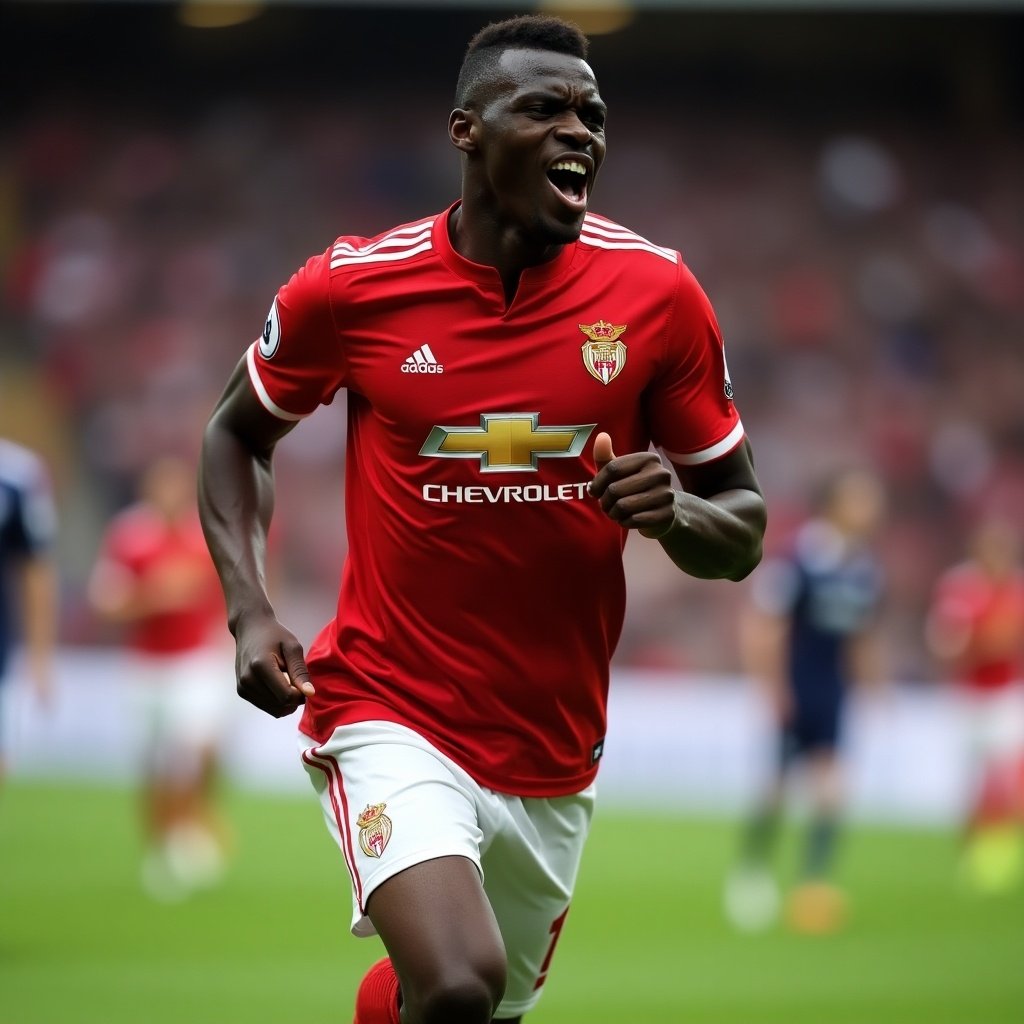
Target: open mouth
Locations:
point(569, 178)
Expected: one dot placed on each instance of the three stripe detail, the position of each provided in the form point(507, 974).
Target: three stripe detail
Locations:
point(606, 234)
point(400, 244)
point(413, 239)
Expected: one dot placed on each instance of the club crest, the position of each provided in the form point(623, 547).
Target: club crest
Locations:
point(374, 830)
point(603, 354)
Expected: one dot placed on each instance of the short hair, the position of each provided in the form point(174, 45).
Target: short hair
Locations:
point(527, 32)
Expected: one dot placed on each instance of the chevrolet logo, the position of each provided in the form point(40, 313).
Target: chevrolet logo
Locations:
point(507, 442)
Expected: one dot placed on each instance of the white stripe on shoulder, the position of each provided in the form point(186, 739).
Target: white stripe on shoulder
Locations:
point(345, 249)
point(381, 257)
point(406, 236)
point(389, 241)
point(261, 392)
point(603, 224)
point(716, 451)
point(408, 229)
point(608, 243)
point(608, 229)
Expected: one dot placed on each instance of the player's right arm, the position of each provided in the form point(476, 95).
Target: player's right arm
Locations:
point(236, 503)
point(298, 365)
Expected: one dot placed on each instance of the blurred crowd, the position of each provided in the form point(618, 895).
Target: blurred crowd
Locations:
point(869, 283)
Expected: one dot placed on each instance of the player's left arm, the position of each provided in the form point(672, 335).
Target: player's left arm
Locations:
point(712, 528)
point(39, 578)
point(867, 659)
point(36, 518)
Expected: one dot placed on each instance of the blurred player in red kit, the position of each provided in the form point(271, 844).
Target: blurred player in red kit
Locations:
point(976, 627)
point(154, 578)
point(493, 355)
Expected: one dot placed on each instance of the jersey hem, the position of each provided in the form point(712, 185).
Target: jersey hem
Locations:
point(508, 783)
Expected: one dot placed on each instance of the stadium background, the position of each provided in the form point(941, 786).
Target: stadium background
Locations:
point(844, 179)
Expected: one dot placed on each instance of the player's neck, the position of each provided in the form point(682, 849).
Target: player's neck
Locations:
point(478, 235)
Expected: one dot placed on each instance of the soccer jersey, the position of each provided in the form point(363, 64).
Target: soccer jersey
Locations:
point(28, 523)
point(989, 613)
point(142, 546)
point(829, 591)
point(483, 592)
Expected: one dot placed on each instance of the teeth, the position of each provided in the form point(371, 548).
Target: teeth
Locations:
point(569, 165)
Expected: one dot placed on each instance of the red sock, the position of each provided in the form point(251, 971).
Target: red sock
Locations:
point(377, 998)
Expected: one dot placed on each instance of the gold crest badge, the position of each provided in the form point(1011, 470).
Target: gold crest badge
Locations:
point(603, 354)
point(374, 830)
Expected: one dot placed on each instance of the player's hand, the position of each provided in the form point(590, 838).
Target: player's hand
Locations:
point(270, 666)
point(634, 490)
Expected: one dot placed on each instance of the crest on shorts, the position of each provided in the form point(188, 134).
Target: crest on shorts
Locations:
point(603, 354)
point(374, 830)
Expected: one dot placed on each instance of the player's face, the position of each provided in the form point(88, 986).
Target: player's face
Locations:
point(169, 486)
point(858, 504)
point(997, 546)
point(541, 143)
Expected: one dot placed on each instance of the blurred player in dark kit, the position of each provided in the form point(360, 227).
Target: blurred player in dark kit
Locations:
point(28, 577)
point(807, 640)
point(976, 628)
point(493, 354)
point(154, 578)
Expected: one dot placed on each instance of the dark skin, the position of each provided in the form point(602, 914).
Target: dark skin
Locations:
point(540, 107)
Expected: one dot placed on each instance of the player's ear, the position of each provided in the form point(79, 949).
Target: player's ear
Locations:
point(463, 128)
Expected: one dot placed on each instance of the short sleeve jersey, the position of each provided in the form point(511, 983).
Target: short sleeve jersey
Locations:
point(28, 525)
point(990, 614)
point(143, 546)
point(483, 592)
point(829, 592)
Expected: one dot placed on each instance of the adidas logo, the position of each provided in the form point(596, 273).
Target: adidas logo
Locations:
point(422, 361)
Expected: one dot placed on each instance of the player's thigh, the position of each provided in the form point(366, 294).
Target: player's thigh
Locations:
point(530, 870)
point(441, 934)
point(996, 722)
point(200, 698)
point(181, 700)
point(390, 803)
point(149, 701)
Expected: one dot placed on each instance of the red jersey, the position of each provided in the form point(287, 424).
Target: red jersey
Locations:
point(483, 593)
point(173, 556)
point(989, 615)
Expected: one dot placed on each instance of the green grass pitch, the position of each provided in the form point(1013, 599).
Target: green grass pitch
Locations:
point(645, 941)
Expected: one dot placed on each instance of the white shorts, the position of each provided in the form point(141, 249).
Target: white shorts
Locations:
point(995, 722)
point(184, 701)
point(391, 800)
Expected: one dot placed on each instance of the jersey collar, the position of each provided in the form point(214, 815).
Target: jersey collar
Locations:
point(486, 277)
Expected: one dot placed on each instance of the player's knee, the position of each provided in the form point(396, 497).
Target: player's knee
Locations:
point(467, 996)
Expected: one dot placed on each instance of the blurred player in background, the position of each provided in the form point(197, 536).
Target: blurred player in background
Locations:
point(28, 577)
point(807, 639)
point(154, 578)
point(493, 354)
point(976, 628)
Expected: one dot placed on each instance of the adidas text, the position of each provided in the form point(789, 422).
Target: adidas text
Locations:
point(422, 361)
